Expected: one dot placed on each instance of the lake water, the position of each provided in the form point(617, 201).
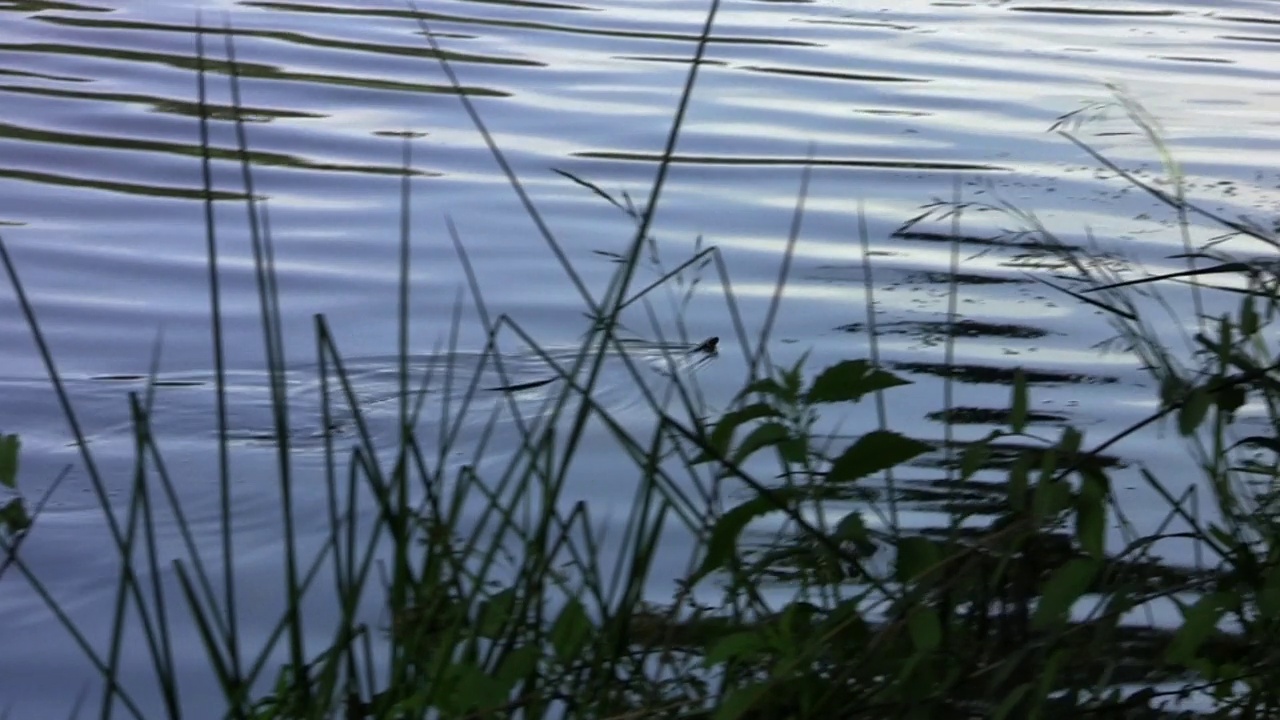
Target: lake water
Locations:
point(100, 185)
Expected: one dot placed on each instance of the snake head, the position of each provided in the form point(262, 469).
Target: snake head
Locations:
point(709, 346)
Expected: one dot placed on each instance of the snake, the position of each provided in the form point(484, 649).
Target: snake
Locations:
point(184, 405)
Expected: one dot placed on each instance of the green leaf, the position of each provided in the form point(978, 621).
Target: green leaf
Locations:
point(852, 529)
point(797, 619)
point(13, 517)
point(1198, 622)
point(792, 378)
point(766, 386)
point(764, 435)
point(1248, 317)
point(1091, 511)
point(1048, 681)
point(794, 449)
point(877, 450)
point(916, 556)
point(516, 665)
point(739, 701)
point(9, 445)
point(1269, 597)
point(1061, 591)
point(1231, 399)
point(738, 646)
point(850, 381)
point(1233, 670)
point(1018, 482)
point(973, 459)
point(1193, 410)
point(1090, 521)
point(1018, 411)
point(846, 622)
point(570, 631)
point(1069, 443)
point(473, 689)
point(725, 532)
point(1051, 498)
point(924, 626)
point(495, 613)
point(722, 433)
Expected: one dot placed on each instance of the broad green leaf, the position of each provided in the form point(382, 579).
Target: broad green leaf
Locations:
point(764, 435)
point(1248, 317)
point(850, 381)
point(1051, 498)
point(738, 646)
point(916, 556)
point(1231, 399)
point(14, 517)
point(725, 532)
point(9, 445)
point(852, 529)
point(1069, 444)
point(739, 701)
point(793, 378)
point(1233, 670)
point(474, 690)
point(924, 626)
point(1091, 511)
point(973, 459)
point(847, 626)
point(798, 618)
point(1018, 482)
point(1193, 410)
point(1198, 622)
point(495, 613)
point(1269, 597)
point(1018, 411)
point(516, 665)
point(722, 433)
point(570, 631)
point(1090, 523)
point(766, 386)
point(1064, 586)
point(794, 449)
point(876, 451)
point(1048, 464)
point(1048, 680)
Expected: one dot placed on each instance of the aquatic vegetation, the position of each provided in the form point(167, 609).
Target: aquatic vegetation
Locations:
point(463, 584)
point(14, 517)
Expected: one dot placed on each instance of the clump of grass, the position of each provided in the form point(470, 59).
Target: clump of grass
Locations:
point(1219, 398)
point(500, 593)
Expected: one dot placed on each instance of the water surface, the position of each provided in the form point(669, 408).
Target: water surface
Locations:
point(100, 187)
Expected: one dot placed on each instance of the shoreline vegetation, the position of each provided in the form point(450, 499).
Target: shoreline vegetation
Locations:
point(500, 597)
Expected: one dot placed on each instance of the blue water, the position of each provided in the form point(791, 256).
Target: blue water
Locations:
point(100, 179)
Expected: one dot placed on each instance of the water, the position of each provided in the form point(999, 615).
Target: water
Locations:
point(99, 179)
